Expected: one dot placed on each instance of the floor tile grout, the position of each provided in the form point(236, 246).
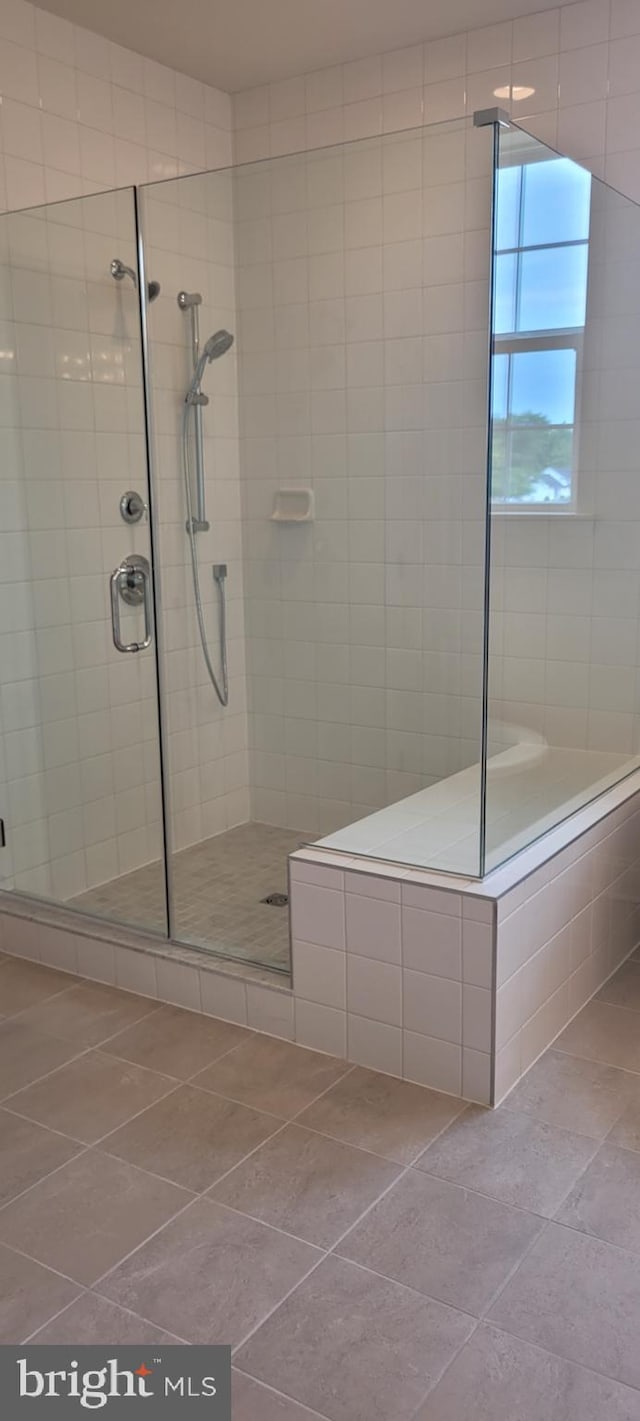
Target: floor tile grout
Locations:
point(404, 1170)
point(272, 1391)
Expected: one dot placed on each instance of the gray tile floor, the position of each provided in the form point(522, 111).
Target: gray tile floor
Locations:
point(218, 886)
point(371, 1249)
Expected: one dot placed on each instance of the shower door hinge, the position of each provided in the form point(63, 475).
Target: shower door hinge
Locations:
point(3, 837)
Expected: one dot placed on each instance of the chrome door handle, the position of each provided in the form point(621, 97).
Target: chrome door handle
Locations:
point(131, 581)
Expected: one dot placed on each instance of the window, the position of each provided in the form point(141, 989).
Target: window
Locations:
point(540, 300)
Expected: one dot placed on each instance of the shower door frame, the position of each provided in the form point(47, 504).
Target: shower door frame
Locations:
point(163, 746)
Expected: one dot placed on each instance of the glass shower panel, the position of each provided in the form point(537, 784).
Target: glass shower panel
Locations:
point(79, 745)
point(398, 453)
point(565, 536)
point(222, 865)
point(344, 442)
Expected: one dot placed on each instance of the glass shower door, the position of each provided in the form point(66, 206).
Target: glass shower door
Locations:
point(80, 773)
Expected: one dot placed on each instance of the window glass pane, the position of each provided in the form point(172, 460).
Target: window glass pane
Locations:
point(540, 464)
point(499, 463)
point(557, 201)
point(508, 207)
point(500, 385)
point(543, 383)
point(553, 289)
point(505, 294)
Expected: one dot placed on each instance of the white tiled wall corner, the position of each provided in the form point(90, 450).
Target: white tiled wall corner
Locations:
point(401, 978)
point(575, 56)
point(84, 114)
point(476, 1075)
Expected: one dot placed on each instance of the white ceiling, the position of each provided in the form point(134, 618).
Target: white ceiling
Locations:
point(235, 44)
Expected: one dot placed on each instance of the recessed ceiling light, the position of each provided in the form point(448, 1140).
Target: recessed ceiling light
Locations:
point(517, 92)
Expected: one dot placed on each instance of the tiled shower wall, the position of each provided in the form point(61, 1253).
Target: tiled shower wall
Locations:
point(363, 309)
point(78, 753)
point(566, 597)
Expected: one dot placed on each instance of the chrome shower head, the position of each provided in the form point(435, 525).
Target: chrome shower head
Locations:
point(119, 270)
point(218, 344)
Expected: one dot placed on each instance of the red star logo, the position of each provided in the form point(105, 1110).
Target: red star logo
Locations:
point(143, 1371)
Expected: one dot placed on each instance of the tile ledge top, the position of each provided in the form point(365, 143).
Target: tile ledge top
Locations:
point(499, 880)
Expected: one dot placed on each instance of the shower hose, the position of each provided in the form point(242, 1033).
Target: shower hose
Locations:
point(222, 692)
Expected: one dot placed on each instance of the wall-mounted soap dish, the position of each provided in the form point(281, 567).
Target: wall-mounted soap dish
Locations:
point(294, 505)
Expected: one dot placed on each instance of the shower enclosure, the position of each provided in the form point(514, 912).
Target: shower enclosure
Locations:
point(319, 523)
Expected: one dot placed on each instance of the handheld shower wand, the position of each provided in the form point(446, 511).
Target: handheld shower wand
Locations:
point(218, 344)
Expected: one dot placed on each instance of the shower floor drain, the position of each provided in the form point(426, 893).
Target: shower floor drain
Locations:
point(276, 900)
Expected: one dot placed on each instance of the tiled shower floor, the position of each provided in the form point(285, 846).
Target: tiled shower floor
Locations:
point(218, 888)
point(373, 1251)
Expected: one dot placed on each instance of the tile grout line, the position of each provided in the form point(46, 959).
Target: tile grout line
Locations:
point(20, 1252)
point(198, 1193)
point(88, 1292)
point(306, 1411)
point(331, 1251)
point(39, 1079)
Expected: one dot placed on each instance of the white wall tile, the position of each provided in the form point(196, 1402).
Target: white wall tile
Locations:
point(476, 1076)
point(224, 997)
point(96, 960)
point(374, 989)
point(321, 1028)
point(135, 971)
point(272, 1012)
point(477, 1018)
point(477, 954)
point(584, 22)
point(178, 983)
point(319, 974)
point(432, 1006)
point(432, 942)
point(373, 927)
point(433, 1063)
point(375, 1045)
point(317, 915)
